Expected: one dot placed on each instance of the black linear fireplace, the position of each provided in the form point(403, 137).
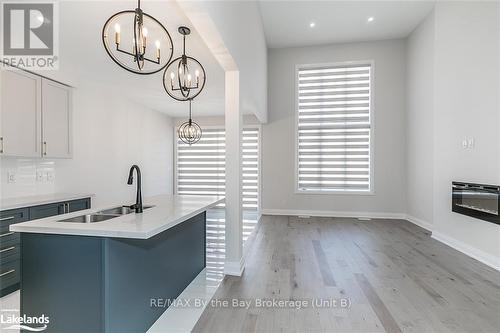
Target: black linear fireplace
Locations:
point(477, 200)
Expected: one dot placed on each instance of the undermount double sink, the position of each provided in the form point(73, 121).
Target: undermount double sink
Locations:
point(103, 215)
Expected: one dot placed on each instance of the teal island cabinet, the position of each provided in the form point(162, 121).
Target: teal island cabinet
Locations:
point(105, 276)
point(16, 210)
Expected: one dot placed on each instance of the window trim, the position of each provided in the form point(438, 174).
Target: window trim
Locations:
point(298, 67)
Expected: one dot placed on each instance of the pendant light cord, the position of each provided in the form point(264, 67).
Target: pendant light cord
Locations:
point(184, 45)
point(190, 109)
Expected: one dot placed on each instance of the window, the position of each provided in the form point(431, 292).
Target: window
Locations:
point(334, 128)
point(201, 170)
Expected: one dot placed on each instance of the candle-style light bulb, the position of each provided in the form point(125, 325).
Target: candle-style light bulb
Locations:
point(157, 43)
point(197, 74)
point(144, 39)
point(117, 34)
point(172, 76)
point(189, 79)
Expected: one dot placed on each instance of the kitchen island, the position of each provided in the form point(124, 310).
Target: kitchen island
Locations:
point(103, 276)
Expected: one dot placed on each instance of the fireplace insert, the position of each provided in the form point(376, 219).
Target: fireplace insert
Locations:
point(477, 200)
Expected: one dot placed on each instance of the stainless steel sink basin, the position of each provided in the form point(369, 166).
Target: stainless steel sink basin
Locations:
point(121, 210)
point(103, 215)
point(89, 218)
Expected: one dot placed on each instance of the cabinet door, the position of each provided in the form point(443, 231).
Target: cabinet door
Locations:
point(80, 204)
point(20, 114)
point(40, 212)
point(56, 120)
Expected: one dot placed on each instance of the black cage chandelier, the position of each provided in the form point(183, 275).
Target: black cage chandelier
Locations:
point(184, 78)
point(141, 52)
point(189, 132)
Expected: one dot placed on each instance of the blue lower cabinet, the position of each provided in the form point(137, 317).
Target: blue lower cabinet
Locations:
point(76, 205)
point(10, 247)
point(10, 244)
point(108, 285)
point(42, 211)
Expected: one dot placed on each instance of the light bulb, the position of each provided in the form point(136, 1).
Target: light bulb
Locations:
point(180, 70)
point(172, 75)
point(197, 73)
point(117, 34)
point(189, 77)
point(145, 31)
point(157, 43)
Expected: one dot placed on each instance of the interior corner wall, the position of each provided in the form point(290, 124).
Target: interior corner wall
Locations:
point(239, 24)
point(467, 92)
point(419, 123)
point(278, 148)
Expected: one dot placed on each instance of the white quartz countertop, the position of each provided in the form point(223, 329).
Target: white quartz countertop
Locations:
point(35, 200)
point(168, 211)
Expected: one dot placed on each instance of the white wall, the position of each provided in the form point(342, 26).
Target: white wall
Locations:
point(110, 134)
point(239, 24)
point(278, 180)
point(419, 124)
point(467, 92)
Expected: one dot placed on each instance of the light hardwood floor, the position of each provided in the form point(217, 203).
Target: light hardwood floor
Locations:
point(396, 277)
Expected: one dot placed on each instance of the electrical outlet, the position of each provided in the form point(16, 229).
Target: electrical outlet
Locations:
point(39, 176)
point(11, 177)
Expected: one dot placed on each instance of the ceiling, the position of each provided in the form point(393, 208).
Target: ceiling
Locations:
point(83, 58)
point(287, 23)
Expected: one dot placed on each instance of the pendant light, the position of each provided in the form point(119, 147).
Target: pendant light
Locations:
point(189, 132)
point(137, 41)
point(184, 78)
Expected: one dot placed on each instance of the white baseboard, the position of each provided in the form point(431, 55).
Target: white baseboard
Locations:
point(421, 223)
point(327, 213)
point(485, 258)
point(234, 268)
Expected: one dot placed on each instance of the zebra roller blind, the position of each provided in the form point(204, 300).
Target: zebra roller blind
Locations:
point(201, 167)
point(334, 126)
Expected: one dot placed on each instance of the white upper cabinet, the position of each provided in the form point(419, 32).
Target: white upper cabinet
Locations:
point(20, 114)
point(35, 116)
point(56, 120)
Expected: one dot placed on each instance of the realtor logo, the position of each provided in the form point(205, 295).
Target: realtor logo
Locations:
point(29, 31)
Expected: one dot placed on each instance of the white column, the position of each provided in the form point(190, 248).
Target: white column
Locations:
point(234, 264)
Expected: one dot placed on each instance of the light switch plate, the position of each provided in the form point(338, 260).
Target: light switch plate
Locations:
point(11, 177)
point(471, 143)
point(50, 176)
point(39, 176)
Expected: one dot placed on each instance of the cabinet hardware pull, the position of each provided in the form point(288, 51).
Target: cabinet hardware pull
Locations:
point(45, 148)
point(7, 234)
point(1, 144)
point(8, 272)
point(7, 249)
point(7, 218)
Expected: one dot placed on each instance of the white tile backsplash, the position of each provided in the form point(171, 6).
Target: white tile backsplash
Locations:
point(26, 182)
